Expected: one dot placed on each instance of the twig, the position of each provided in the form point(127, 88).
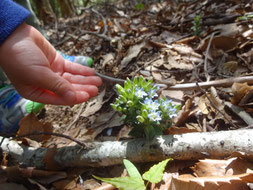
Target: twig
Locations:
point(215, 107)
point(189, 86)
point(77, 117)
point(222, 82)
point(98, 35)
point(53, 134)
point(206, 57)
point(62, 42)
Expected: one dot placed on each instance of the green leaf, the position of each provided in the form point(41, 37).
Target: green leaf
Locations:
point(155, 173)
point(131, 169)
point(124, 183)
point(140, 6)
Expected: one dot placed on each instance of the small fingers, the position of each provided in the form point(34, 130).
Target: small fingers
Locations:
point(77, 69)
point(83, 80)
point(90, 89)
point(47, 97)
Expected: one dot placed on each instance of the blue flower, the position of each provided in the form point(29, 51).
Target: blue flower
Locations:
point(167, 104)
point(140, 93)
point(172, 112)
point(155, 116)
point(152, 93)
point(151, 105)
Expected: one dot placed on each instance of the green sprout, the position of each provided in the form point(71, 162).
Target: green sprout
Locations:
point(140, 107)
point(245, 17)
point(140, 7)
point(196, 24)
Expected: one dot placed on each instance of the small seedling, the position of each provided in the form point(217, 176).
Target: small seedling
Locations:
point(140, 107)
point(140, 7)
point(196, 24)
point(135, 180)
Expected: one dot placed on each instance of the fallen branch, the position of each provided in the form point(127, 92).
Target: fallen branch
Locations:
point(189, 146)
point(216, 83)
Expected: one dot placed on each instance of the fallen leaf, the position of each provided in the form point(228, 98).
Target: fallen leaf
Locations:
point(202, 105)
point(239, 90)
point(42, 176)
point(94, 105)
point(211, 183)
point(229, 167)
point(228, 68)
point(30, 124)
point(220, 42)
point(132, 53)
point(175, 95)
point(104, 121)
point(179, 130)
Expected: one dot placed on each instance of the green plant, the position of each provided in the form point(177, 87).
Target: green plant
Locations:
point(135, 180)
point(140, 107)
point(140, 7)
point(245, 17)
point(196, 24)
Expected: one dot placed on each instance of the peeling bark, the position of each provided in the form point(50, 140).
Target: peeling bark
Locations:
point(189, 146)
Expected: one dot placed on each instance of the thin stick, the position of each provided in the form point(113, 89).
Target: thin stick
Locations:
point(223, 82)
point(77, 117)
point(206, 57)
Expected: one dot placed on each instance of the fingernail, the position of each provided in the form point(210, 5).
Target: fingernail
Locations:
point(69, 96)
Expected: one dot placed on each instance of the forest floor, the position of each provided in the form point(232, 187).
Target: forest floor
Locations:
point(206, 45)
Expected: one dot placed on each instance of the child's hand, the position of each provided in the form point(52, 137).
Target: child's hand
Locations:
point(42, 75)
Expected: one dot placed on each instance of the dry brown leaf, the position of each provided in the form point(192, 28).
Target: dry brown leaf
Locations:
point(30, 143)
point(45, 177)
point(71, 183)
point(184, 113)
point(220, 42)
point(105, 187)
point(231, 30)
point(175, 95)
point(188, 182)
point(228, 68)
point(104, 121)
point(239, 90)
point(68, 184)
point(179, 130)
point(176, 61)
point(232, 166)
point(30, 124)
point(108, 60)
point(202, 104)
point(216, 101)
point(132, 53)
point(94, 105)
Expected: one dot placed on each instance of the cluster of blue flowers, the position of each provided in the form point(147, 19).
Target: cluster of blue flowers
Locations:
point(155, 107)
point(140, 106)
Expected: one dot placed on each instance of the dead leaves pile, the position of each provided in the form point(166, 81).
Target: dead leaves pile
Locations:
point(157, 42)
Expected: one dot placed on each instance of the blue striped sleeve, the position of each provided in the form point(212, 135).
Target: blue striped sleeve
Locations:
point(11, 16)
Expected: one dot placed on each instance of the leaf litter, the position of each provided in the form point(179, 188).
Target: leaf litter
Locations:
point(158, 41)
